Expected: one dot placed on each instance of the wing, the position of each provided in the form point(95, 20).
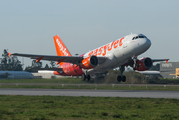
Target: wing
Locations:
point(70, 59)
point(158, 60)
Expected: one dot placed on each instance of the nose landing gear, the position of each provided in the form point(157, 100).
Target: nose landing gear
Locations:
point(135, 65)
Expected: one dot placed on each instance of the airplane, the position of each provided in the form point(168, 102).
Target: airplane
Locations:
point(5, 74)
point(16, 75)
point(118, 53)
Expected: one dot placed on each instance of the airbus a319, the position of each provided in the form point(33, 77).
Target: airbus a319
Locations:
point(118, 53)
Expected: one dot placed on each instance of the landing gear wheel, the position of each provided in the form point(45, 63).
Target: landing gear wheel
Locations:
point(123, 78)
point(83, 77)
point(119, 78)
point(88, 77)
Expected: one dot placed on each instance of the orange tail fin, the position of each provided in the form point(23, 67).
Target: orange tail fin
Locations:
point(60, 47)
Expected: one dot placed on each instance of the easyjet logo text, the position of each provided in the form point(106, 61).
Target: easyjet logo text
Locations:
point(108, 47)
point(62, 48)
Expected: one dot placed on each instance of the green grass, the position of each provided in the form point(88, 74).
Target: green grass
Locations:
point(73, 108)
point(75, 81)
point(55, 80)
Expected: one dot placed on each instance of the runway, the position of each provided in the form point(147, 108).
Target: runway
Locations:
point(91, 93)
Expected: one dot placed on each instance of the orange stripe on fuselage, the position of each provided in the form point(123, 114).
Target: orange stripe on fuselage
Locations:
point(102, 50)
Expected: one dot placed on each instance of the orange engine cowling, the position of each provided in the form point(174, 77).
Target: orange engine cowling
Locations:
point(89, 62)
point(144, 64)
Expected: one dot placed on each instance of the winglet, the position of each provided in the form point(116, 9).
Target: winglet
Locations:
point(166, 60)
point(9, 54)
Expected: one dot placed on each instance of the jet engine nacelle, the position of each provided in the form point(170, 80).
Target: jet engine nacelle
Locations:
point(144, 64)
point(89, 62)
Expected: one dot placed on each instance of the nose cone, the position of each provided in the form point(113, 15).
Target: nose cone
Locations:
point(142, 45)
point(147, 43)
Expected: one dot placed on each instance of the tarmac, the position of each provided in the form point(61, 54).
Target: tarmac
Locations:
point(91, 93)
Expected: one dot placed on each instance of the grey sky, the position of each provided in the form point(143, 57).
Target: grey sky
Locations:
point(28, 26)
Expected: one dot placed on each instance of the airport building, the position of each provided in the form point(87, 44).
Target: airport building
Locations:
point(169, 70)
point(46, 74)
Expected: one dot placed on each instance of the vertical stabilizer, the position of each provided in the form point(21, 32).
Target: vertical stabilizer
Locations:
point(60, 47)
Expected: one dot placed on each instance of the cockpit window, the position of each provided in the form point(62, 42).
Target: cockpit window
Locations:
point(141, 37)
point(138, 37)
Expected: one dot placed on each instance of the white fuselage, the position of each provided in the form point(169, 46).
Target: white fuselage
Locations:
point(119, 51)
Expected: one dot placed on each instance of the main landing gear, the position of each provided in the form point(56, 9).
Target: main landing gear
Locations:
point(86, 77)
point(121, 77)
